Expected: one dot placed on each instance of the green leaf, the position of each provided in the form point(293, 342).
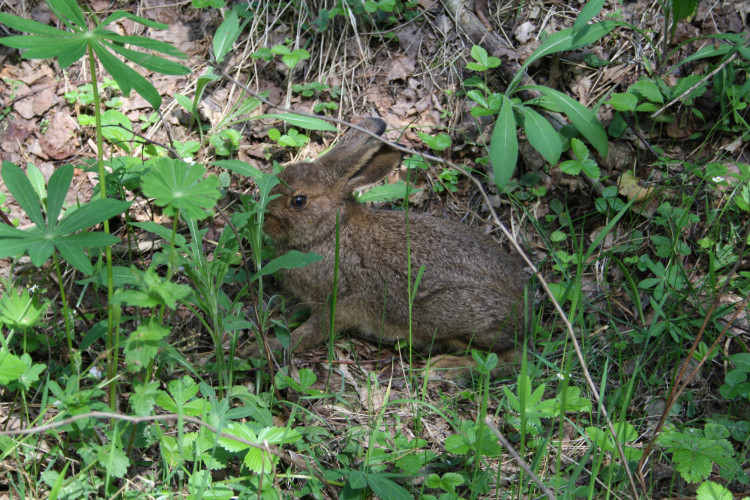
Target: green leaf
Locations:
point(150, 61)
point(504, 145)
point(179, 186)
point(117, 129)
point(587, 13)
point(11, 367)
point(20, 187)
point(68, 9)
point(713, 491)
point(683, 8)
point(385, 488)
point(388, 192)
point(127, 78)
point(582, 118)
point(59, 184)
point(29, 26)
point(119, 14)
point(305, 122)
point(90, 214)
point(289, 260)
point(541, 135)
point(225, 36)
point(622, 101)
point(567, 39)
point(114, 459)
point(143, 345)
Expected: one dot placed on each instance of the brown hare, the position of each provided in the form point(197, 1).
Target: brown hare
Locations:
point(470, 294)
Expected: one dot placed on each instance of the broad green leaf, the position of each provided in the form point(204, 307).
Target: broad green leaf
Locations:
point(647, 89)
point(185, 102)
point(682, 9)
point(114, 459)
point(542, 135)
point(289, 260)
point(504, 145)
point(622, 101)
point(117, 129)
point(11, 367)
point(40, 250)
point(713, 491)
point(225, 36)
point(20, 187)
point(581, 117)
point(240, 167)
point(587, 13)
point(305, 122)
point(567, 39)
point(386, 488)
point(710, 50)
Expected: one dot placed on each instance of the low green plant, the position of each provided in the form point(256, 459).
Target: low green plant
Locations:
point(512, 112)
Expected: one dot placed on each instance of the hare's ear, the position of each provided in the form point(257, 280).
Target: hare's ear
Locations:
point(360, 159)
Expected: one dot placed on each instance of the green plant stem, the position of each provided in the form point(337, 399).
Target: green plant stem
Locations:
point(66, 315)
point(112, 335)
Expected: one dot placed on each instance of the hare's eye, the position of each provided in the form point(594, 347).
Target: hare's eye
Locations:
point(298, 201)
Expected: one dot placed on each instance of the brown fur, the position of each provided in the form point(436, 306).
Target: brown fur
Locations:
point(471, 292)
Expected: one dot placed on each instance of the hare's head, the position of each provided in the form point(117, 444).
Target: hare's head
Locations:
point(310, 193)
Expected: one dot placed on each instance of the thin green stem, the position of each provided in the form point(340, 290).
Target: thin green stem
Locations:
point(65, 311)
point(112, 332)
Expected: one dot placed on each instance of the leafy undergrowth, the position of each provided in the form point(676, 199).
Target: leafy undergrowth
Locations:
point(137, 278)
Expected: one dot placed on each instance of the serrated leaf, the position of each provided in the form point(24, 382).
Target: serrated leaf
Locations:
point(11, 367)
point(622, 101)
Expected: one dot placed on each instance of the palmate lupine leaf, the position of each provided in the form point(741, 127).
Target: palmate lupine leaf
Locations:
point(69, 46)
point(49, 233)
